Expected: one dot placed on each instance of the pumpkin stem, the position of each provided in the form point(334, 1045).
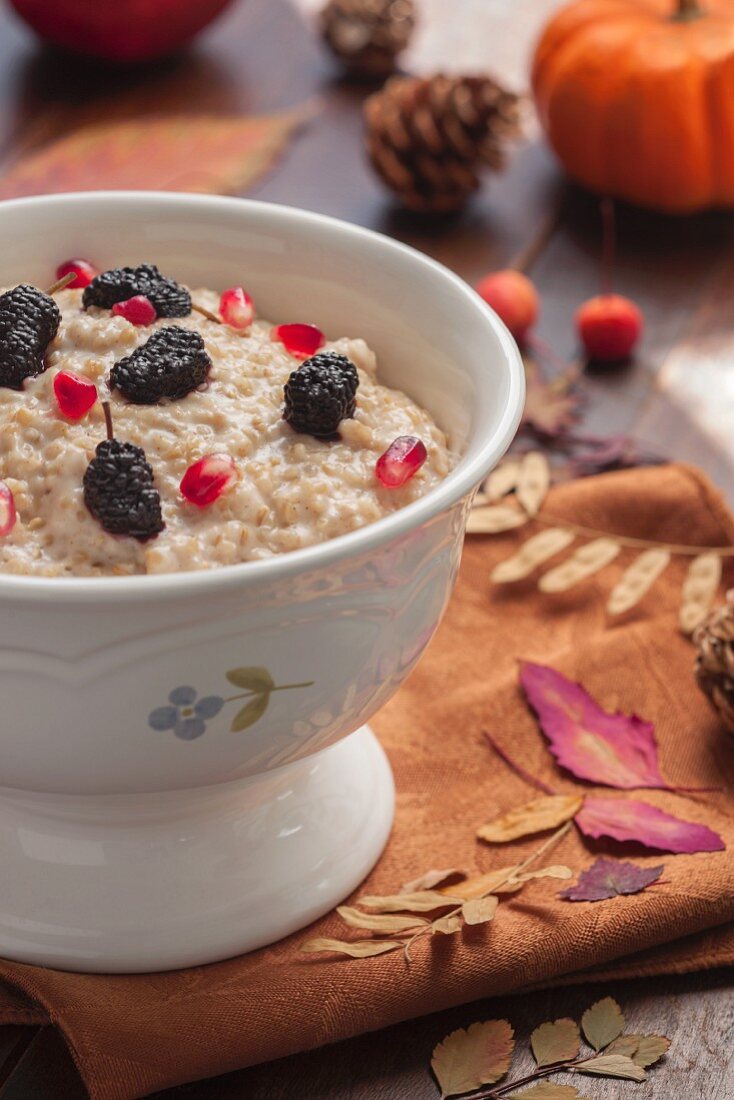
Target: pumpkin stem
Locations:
point(687, 10)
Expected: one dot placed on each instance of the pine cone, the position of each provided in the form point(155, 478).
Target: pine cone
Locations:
point(427, 137)
point(715, 659)
point(368, 35)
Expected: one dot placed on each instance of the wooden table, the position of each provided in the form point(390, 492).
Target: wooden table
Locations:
point(677, 399)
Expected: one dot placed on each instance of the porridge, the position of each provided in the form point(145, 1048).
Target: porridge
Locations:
point(144, 429)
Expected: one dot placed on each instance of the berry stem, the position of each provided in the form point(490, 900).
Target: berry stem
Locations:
point(609, 232)
point(108, 419)
point(207, 313)
point(61, 283)
point(527, 256)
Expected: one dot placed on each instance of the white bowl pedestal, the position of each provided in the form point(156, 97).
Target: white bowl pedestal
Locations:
point(208, 873)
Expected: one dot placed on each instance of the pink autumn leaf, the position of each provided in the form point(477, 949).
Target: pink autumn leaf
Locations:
point(624, 819)
point(617, 750)
point(608, 878)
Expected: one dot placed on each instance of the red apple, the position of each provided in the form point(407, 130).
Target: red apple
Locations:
point(121, 30)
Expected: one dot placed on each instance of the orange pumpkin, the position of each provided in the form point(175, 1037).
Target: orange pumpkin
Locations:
point(637, 99)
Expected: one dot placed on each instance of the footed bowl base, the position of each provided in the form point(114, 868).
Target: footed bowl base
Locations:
point(150, 882)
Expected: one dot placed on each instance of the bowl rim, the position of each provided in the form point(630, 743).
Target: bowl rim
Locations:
point(467, 474)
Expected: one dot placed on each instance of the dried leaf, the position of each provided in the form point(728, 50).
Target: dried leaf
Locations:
point(479, 910)
point(494, 519)
point(646, 824)
point(556, 870)
point(617, 750)
point(181, 153)
point(533, 817)
point(602, 1023)
point(612, 1065)
point(485, 884)
point(251, 713)
point(378, 922)
point(251, 679)
point(502, 480)
point(555, 1042)
point(547, 1090)
point(636, 580)
point(431, 879)
point(644, 1050)
point(468, 1059)
point(356, 949)
point(446, 926)
point(551, 407)
point(421, 901)
point(699, 591)
point(625, 1044)
point(583, 563)
point(533, 482)
point(608, 878)
point(531, 554)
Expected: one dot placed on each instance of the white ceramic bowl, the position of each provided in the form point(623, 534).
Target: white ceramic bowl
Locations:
point(123, 846)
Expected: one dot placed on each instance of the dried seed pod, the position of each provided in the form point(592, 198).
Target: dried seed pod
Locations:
point(494, 519)
point(502, 480)
point(699, 591)
point(531, 554)
point(533, 482)
point(714, 639)
point(637, 579)
point(586, 561)
point(480, 910)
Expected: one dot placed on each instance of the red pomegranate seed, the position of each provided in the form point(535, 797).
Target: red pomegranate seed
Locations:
point(138, 310)
point(301, 341)
point(236, 307)
point(206, 480)
point(82, 270)
point(8, 515)
point(75, 395)
point(402, 459)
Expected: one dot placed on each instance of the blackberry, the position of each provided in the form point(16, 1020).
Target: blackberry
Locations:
point(320, 394)
point(171, 363)
point(169, 297)
point(29, 320)
point(119, 491)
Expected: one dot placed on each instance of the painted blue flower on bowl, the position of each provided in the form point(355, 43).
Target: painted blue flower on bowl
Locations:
point(186, 714)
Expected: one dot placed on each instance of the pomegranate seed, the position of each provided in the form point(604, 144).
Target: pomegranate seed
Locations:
point(402, 459)
point(206, 480)
point(138, 310)
point(82, 271)
point(236, 307)
point(301, 341)
point(8, 515)
point(75, 395)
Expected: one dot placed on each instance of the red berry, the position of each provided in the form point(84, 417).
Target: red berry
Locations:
point(206, 480)
point(236, 307)
point(609, 327)
point(82, 270)
point(301, 341)
point(402, 459)
point(8, 515)
point(513, 298)
point(75, 395)
point(138, 310)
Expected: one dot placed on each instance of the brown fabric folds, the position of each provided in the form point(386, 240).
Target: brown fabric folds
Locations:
point(132, 1035)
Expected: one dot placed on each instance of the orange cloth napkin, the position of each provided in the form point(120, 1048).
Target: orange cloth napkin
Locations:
point(133, 1035)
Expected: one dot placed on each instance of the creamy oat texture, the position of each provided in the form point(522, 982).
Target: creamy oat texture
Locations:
point(292, 490)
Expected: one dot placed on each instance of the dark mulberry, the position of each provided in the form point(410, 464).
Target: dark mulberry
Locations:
point(171, 363)
point(320, 394)
point(120, 493)
point(169, 297)
point(29, 320)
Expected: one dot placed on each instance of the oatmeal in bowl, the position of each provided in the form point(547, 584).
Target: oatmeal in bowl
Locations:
point(157, 430)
